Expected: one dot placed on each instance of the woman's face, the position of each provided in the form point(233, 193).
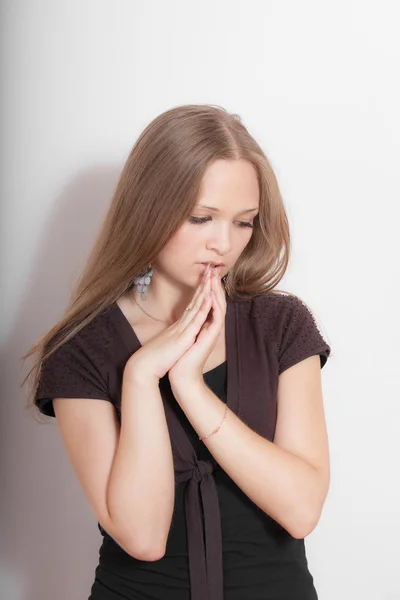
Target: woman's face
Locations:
point(230, 188)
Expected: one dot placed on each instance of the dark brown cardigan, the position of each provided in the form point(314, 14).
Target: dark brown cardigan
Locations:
point(264, 336)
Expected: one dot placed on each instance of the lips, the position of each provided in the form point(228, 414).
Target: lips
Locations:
point(213, 264)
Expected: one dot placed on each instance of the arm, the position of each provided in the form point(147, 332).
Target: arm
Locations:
point(288, 478)
point(141, 491)
point(126, 472)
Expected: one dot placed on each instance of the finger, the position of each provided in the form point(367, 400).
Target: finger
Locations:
point(222, 290)
point(190, 315)
point(200, 316)
point(219, 305)
point(218, 315)
point(201, 309)
point(200, 290)
point(201, 285)
point(221, 287)
point(217, 288)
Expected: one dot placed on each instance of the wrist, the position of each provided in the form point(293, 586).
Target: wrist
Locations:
point(135, 373)
point(186, 384)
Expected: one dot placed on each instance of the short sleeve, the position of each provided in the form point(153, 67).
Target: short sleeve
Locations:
point(77, 369)
point(300, 336)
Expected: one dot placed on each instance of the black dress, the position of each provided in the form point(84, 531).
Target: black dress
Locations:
point(221, 545)
point(261, 560)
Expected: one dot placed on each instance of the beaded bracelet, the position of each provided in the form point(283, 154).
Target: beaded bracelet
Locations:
point(215, 430)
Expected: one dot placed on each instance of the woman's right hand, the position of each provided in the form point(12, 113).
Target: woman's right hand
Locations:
point(155, 358)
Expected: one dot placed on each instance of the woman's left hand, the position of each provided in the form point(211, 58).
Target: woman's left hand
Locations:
point(190, 366)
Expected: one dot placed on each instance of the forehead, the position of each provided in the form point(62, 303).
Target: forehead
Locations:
point(229, 184)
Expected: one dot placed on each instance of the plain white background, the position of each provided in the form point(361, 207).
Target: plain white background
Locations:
point(317, 84)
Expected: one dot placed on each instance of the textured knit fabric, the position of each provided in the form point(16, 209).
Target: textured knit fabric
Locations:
point(220, 544)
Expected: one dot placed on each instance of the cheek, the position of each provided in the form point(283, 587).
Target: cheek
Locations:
point(186, 240)
point(184, 244)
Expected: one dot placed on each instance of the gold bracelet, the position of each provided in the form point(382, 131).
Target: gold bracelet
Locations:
point(215, 430)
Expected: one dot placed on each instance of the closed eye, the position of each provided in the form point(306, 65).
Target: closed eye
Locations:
point(205, 219)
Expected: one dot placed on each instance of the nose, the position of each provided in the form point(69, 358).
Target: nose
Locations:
point(220, 242)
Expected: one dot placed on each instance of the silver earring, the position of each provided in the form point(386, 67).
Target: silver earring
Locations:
point(142, 282)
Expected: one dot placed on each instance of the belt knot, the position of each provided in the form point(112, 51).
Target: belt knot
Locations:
point(202, 468)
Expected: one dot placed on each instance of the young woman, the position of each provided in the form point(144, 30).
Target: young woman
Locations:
point(186, 387)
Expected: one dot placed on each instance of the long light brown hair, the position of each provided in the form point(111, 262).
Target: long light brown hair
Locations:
point(154, 196)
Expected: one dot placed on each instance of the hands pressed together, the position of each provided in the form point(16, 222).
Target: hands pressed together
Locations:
point(182, 349)
point(210, 302)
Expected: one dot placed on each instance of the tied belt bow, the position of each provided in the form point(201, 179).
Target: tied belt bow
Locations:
point(204, 542)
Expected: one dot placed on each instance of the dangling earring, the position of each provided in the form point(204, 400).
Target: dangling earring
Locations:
point(142, 282)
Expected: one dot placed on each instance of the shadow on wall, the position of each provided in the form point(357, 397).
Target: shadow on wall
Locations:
point(49, 534)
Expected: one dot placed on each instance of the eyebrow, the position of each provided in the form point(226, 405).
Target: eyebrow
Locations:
point(242, 212)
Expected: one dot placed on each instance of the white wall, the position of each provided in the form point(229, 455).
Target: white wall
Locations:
point(316, 84)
